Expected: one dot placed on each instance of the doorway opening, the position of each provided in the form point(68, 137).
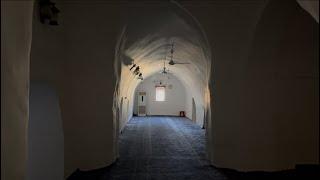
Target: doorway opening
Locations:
point(173, 45)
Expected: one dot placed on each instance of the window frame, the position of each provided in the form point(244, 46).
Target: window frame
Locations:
point(162, 90)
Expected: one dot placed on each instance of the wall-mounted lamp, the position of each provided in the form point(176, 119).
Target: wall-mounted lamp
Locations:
point(48, 12)
point(134, 65)
point(140, 76)
point(136, 71)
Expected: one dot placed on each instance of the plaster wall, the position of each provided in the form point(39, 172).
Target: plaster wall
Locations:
point(88, 125)
point(126, 113)
point(16, 35)
point(174, 100)
point(263, 86)
point(45, 135)
point(311, 6)
point(188, 99)
point(79, 67)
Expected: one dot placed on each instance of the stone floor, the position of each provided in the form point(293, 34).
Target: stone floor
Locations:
point(171, 148)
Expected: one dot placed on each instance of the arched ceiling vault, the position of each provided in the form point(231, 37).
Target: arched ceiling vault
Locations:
point(311, 6)
point(147, 43)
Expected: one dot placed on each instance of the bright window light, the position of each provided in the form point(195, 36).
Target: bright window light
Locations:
point(160, 93)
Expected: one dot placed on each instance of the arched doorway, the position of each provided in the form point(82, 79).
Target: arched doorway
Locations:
point(141, 52)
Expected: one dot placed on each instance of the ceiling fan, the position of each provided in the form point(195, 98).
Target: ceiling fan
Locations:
point(171, 61)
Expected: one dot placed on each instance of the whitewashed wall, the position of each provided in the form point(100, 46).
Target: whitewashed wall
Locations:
point(175, 99)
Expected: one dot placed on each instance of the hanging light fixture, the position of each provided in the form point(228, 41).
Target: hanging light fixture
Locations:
point(54, 17)
point(48, 12)
point(172, 61)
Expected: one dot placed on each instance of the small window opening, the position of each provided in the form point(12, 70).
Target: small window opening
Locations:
point(160, 93)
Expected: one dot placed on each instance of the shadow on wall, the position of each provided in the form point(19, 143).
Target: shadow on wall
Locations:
point(275, 118)
point(284, 70)
point(45, 135)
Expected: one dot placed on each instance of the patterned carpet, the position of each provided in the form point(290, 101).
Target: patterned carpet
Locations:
point(170, 148)
point(158, 147)
point(162, 148)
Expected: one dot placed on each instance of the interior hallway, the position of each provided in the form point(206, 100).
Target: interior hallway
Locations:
point(71, 71)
